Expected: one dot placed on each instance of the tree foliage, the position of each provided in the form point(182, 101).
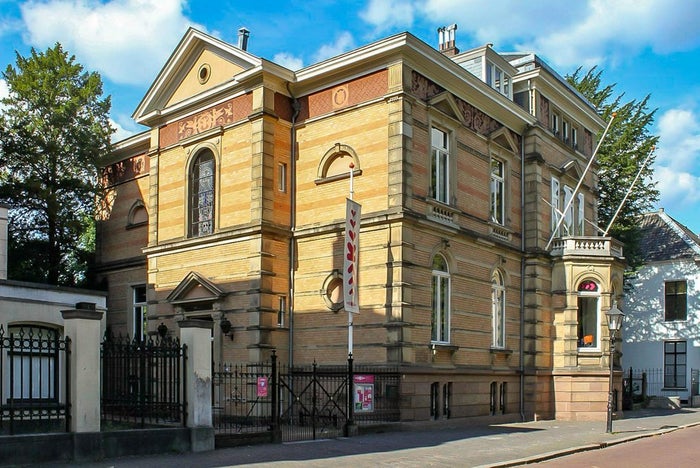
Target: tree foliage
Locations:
point(622, 155)
point(53, 131)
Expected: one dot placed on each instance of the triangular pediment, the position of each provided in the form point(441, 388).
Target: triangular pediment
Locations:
point(504, 138)
point(446, 103)
point(199, 64)
point(195, 288)
point(572, 169)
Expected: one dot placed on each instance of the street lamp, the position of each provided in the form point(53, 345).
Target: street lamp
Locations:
point(614, 316)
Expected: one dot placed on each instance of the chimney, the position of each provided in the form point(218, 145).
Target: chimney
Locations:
point(446, 40)
point(3, 242)
point(243, 34)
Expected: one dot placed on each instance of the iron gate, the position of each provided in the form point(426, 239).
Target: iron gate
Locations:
point(313, 401)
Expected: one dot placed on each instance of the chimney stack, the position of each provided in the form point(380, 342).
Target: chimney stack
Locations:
point(243, 34)
point(446, 40)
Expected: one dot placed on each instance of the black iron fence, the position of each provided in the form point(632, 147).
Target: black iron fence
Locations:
point(143, 382)
point(302, 402)
point(34, 381)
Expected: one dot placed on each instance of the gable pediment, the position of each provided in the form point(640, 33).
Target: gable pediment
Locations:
point(199, 64)
point(446, 103)
point(572, 169)
point(504, 138)
point(194, 289)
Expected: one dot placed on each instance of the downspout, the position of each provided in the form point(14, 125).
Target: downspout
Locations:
point(296, 105)
point(521, 357)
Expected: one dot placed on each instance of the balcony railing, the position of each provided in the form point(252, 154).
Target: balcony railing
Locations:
point(587, 246)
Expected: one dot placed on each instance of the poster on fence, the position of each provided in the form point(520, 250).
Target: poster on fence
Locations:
point(262, 386)
point(364, 393)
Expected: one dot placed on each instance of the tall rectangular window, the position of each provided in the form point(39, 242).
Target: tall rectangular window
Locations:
point(202, 185)
point(675, 364)
point(439, 170)
point(580, 221)
point(498, 310)
point(676, 300)
point(140, 311)
point(555, 123)
point(569, 214)
point(282, 177)
point(440, 320)
point(574, 138)
point(497, 192)
point(554, 199)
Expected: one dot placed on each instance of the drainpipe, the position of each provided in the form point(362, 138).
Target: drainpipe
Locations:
point(521, 356)
point(296, 105)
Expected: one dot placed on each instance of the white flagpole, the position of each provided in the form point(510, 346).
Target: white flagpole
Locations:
point(629, 190)
point(350, 331)
point(583, 176)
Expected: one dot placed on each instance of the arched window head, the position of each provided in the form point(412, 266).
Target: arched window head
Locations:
point(138, 215)
point(588, 316)
point(588, 286)
point(336, 163)
point(202, 190)
point(440, 320)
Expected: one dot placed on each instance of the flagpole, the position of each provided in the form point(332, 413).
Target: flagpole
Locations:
point(578, 186)
point(629, 190)
point(350, 330)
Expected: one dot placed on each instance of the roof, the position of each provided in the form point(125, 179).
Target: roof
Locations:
point(664, 238)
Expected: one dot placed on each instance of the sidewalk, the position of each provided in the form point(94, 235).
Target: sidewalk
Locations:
point(458, 444)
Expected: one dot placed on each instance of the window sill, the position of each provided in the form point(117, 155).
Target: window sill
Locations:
point(435, 347)
point(503, 351)
point(674, 389)
point(441, 212)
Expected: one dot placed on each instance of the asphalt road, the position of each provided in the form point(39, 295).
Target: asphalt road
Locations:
point(677, 449)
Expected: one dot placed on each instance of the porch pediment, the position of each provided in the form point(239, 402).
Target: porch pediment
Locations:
point(195, 289)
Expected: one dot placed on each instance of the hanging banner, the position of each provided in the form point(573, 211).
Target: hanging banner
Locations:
point(351, 256)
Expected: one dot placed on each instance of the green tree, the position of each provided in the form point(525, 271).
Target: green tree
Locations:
point(622, 155)
point(53, 131)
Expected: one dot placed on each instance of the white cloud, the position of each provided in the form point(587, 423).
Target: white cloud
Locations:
point(387, 14)
point(121, 132)
point(127, 41)
point(343, 42)
point(288, 61)
point(592, 32)
point(679, 142)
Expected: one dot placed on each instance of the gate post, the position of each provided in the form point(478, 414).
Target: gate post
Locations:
point(196, 334)
point(82, 324)
point(274, 411)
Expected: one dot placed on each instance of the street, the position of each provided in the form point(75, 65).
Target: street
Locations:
point(675, 449)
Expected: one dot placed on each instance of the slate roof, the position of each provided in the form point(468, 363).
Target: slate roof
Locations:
point(664, 238)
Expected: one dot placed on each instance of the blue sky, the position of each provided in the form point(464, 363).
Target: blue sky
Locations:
point(642, 46)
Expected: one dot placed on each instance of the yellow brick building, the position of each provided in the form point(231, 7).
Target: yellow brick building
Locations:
point(232, 209)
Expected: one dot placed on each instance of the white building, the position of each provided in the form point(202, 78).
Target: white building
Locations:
point(662, 323)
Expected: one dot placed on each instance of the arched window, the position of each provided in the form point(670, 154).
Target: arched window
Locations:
point(498, 310)
point(202, 186)
point(588, 315)
point(440, 322)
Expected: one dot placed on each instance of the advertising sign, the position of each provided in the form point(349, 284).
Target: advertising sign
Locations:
point(363, 386)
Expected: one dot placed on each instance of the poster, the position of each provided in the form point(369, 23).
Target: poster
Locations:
point(262, 386)
point(363, 386)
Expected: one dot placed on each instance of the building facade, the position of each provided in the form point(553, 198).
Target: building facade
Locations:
point(662, 306)
point(480, 273)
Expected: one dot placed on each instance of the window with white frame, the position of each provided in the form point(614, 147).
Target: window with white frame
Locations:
point(565, 129)
point(580, 220)
point(554, 199)
point(140, 313)
point(574, 138)
point(440, 321)
point(439, 167)
point(568, 225)
point(498, 310)
point(497, 191)
point(202, 185)
point(675, 362)
point(555, 123)
point(588, 316)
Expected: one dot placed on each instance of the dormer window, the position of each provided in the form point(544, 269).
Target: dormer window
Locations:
point(497, 78)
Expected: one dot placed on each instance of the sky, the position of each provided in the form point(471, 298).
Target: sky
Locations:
point(643, 47)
